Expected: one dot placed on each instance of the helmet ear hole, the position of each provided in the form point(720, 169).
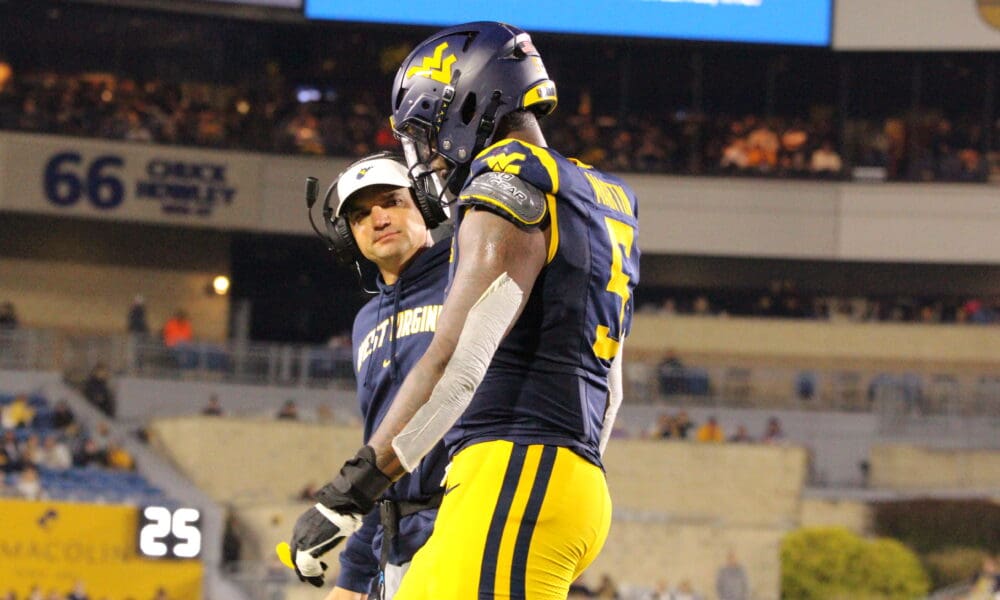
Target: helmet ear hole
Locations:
point(468, 108)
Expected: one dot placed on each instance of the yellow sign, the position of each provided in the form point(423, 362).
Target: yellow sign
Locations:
point(436, 67)
point(989, 10)
point(53, 545)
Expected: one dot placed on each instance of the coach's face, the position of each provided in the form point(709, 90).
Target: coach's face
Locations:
point(388, 228)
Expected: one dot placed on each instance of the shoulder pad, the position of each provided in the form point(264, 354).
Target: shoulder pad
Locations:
point(531, 163)
point(506, 195)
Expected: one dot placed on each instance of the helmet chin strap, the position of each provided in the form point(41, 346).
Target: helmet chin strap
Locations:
point(487, 124)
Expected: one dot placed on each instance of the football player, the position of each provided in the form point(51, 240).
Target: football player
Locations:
point(523, 376)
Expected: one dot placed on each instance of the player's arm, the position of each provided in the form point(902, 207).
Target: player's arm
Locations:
point(616, 391)
point(488, 246)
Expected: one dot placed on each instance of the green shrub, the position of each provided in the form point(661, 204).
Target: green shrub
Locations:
point(825, 563)
point(952, 565)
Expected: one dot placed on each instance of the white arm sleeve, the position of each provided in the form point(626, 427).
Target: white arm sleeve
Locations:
point(615, 394)
point(484, 327)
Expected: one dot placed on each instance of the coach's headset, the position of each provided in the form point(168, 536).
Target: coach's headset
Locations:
point(384, 168)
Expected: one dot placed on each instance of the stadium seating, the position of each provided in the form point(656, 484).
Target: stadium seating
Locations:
point(82, 484)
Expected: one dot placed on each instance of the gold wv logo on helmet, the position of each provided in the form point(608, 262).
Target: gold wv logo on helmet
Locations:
point(436, 67)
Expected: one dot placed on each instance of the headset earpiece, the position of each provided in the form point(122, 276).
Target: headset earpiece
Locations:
point(342, 243)
point(338, 231)
point(430, 209)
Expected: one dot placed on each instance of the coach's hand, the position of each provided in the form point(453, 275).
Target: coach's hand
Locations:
point(317, 531)
point(337, 514)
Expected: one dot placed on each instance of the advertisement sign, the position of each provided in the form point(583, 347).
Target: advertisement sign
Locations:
point(159, 184)
point(54, 545)
point(917, 25)
point(799, 22)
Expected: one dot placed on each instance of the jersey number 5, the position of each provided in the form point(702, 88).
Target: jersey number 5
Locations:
point(622, 237)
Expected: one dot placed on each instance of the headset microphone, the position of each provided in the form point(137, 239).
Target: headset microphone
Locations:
point(312, 191)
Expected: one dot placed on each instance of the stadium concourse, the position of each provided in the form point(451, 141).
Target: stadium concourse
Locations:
point(815, 333)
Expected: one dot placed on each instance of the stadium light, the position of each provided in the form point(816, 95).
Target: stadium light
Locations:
point(220, 285)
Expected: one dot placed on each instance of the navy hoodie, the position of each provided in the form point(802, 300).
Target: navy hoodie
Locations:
point(390, 334)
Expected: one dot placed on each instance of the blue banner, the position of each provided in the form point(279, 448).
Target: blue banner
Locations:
point(795, 22)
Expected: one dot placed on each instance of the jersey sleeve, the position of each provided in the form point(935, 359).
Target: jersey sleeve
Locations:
point(513, 179)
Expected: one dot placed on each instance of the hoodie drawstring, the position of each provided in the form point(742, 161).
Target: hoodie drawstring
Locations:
point(371, 362)
point(394, 364)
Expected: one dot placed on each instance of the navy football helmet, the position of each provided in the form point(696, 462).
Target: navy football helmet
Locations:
point(453, 89)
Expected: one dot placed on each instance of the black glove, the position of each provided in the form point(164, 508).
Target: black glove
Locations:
point(340, 505)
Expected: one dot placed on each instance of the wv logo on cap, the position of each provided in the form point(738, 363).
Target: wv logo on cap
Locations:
point(363, 171)
point(437, 67)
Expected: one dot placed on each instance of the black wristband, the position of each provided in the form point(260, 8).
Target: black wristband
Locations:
point(358, 485)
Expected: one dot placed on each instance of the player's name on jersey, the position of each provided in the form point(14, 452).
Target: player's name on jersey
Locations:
point(610, 195)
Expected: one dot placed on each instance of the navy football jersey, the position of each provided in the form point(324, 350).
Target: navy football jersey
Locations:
point(547, 383)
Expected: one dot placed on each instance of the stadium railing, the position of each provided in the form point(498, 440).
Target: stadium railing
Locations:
point(234, 362)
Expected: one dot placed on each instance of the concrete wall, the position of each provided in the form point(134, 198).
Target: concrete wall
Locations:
point(96, 297)
point(816, 342)
point(727, 484)
point(908, 467)
point(822, 512)
point(141, 399)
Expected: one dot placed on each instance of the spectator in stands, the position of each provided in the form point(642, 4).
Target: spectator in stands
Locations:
point(825, 160)
point(55, 454)
point(118, 458)
point(62, 415)
point(11, 452)
point(97, 391)
point(17, 414)
point(711, 431)
point(681, 424)
point(672, 377)
point(773, 433)
point(29, 485)
point(701, 307)
point(289, 411)
point(213, 408)
point(136, 322)
point(31, 451)
point(731, 580)
point(672, 426)
point(178, 330)
point(8, 316)
point(6, 491)
point(90, 454)
point(742, 436)
point(231, 543)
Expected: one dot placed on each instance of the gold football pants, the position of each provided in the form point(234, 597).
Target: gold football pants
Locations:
point(517, 522)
